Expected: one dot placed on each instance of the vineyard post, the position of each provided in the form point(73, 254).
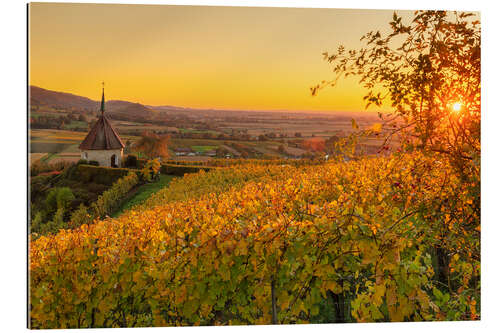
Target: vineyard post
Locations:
point(273, 301)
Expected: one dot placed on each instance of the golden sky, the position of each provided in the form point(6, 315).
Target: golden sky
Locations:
point(193, 56)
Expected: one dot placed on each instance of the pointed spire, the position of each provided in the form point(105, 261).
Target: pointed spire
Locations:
point(102, 100)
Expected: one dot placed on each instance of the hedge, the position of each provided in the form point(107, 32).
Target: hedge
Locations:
point(140, 163)
point(100, 175)
point(225, 162)
point(130, 161)
point(107, 201)
point(180, 170)
point(110, 199)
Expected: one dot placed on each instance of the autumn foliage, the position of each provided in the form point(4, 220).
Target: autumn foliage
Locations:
point(257, 244)
point(314, 144)
point(153, 145)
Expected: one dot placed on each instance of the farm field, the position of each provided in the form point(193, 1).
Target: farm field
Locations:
point(236, 133)
point(193, 159)
point(326, 128)
point(36, 156)
point(126, 128)
point(202, 149)
point(201, 145)
point(54, 143)
point(40, 113)
point(190, 130)
point(60, 145)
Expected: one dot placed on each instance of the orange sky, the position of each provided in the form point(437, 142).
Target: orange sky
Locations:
point(194, 56)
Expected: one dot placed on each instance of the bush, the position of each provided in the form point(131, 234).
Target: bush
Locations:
point(58, 220)
point(52, 226)
point(80, 216)
point(95, 163)
point(39, 185)
point(141, 162)
point(37, 221)
point(64, 197)
point(130, 161)
point(151, 170)
point(57, 198)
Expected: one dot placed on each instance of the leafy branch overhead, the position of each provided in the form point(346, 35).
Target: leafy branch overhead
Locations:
point(429, 72)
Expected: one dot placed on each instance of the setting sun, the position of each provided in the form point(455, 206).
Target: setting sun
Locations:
point(456, 106)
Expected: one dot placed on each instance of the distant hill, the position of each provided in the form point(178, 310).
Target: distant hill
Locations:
point(168, 108)
point(124, 109)
point(66, 101)
point(60, 100)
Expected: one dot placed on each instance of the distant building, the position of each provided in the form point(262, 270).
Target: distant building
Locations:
point(211, 153)
point(103, 144)
point(182, 151)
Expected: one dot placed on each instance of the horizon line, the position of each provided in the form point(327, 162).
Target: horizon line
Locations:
point(215, 109)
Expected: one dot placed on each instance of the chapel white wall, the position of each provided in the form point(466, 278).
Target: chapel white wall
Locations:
point(103, 156)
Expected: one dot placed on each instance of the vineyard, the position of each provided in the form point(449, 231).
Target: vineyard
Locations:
point(377, 239)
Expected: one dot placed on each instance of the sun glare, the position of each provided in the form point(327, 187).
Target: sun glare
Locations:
point(456, 106)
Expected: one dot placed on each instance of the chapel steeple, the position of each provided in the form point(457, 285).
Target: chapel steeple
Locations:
point(102, 100)
point(102, 143)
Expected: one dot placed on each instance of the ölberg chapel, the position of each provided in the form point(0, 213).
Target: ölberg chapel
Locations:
point(103, 144)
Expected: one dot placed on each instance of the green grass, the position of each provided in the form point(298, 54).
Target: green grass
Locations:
point(71, 149)
point(203, 149)
point(49, 147)
point(47, 157)
point(143, 193)
point(190, 130)
point(139, 154)
point(36, 114)
point(76, 124)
